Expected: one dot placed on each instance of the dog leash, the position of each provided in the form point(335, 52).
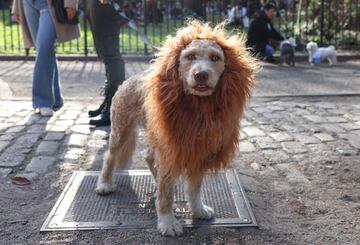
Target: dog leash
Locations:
point(132, 24)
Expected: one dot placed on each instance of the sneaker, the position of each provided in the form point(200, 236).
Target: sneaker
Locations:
point(46, 111)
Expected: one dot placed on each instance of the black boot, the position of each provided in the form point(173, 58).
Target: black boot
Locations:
point(103, 121)
point(106, 105)
point(97, 112)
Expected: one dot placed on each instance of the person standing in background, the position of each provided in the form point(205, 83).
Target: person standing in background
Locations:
point(105, 26)
point(235, 15)
point(41, 29)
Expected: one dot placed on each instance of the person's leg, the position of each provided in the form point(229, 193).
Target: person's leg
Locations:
point(92, 14)
point(45, 63)
point(268, 55)
point(59, 101)
point(108, 47)
point(106, 29)
point(269, 51)
point(43, 30)
point(32, 16)
point(114, 64)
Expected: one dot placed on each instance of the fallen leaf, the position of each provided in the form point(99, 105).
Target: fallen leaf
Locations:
point(18, 180)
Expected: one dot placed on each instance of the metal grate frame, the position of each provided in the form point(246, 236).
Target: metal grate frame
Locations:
point(132, 205)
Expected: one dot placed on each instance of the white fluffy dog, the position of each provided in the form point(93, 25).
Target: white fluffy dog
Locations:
point(317, 55)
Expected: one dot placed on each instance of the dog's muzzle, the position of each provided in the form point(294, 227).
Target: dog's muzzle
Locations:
point(201, 79)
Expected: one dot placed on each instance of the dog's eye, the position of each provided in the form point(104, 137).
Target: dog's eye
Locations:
point(191, 57)
point(215, 58)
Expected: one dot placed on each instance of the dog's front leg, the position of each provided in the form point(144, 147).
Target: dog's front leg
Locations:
point(167, 224)
point(310, 60)
point(198, 208)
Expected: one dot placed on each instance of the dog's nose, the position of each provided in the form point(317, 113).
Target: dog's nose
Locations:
point(201, 77)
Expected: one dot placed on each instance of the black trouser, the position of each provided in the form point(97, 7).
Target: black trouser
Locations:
point(105, 26)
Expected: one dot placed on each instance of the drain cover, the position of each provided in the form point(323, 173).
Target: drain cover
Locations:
point(133, 204)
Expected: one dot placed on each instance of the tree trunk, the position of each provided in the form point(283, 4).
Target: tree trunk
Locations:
point(196, 6)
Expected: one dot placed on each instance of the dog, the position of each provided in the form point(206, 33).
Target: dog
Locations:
point(317, 55)
point(190, 102)
point(287, 51)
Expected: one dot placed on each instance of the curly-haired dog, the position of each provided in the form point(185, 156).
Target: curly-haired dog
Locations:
point(190, 102)
point(317, 55)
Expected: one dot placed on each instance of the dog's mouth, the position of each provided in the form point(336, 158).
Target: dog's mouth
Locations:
point(202, 87)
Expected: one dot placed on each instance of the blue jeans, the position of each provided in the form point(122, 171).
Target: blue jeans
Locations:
point(269, 51)
point(46, 82)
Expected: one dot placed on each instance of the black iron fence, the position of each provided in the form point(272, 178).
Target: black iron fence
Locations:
point(334, 22)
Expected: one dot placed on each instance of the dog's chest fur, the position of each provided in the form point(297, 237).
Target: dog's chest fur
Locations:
point(193, 133)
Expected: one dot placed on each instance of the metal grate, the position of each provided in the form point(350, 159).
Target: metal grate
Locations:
point(133, 203)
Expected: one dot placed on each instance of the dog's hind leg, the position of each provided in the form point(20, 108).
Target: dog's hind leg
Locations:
point(198, 208)
point(281, 60)
point(124, 117)
point(292, 58)
point(167, 224)
point(126, 114)
point(121, 147)
point(330, 61)
point(333, 60)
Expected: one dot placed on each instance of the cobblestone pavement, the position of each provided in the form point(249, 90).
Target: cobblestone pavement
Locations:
point(84, 79)
point(283, 130)
point(299, 159)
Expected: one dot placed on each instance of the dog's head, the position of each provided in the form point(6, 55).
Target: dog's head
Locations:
point(311, 47)
point(201, 64)
point(292, 41)
point(201, 59)
point(198, 86)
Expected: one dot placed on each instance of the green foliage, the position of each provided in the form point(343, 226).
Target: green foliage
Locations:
point(11, 37)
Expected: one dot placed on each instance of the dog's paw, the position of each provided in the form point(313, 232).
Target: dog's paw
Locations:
point(104, 188)
point(204, 212)
point(168, 225)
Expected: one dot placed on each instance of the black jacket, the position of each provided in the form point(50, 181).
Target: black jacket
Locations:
point(260, 32)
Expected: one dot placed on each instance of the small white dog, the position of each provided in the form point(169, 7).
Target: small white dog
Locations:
point(317, 55)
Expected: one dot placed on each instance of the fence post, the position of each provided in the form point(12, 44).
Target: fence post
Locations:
point(85, 30)
point(322, 23)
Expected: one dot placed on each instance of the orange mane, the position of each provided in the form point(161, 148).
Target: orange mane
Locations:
point(194, 133)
